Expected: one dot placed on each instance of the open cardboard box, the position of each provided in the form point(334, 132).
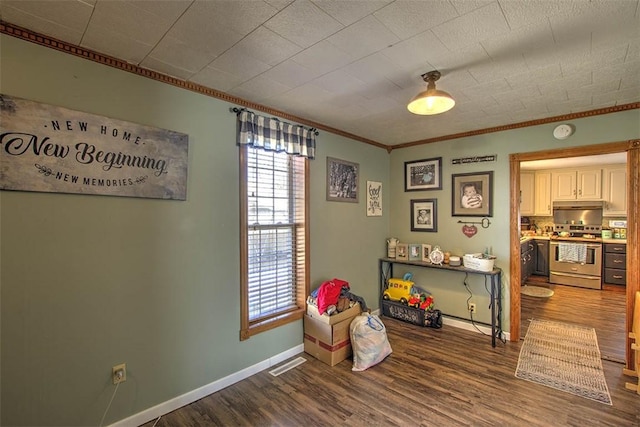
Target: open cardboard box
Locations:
point(350, 313)
point(329, 343)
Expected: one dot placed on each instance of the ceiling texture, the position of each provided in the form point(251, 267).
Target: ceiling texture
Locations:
point(353, 65)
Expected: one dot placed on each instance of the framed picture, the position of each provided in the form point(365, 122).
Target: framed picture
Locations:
point(423, 174)
point(374, 198)
point(472, 194)
point(415, 252)
point(424, 215)
point(342, 180)
point(402, 251)
point(426, 250)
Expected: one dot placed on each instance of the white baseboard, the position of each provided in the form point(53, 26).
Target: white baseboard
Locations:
point(468, 326)
point(190, 397)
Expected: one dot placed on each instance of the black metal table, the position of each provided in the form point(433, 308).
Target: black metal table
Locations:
point(495, 292)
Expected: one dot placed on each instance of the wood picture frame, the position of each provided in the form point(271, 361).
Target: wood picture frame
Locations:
point(424, 215)
point(342, 180)
point(472, 194)
point(402, 252)
point(425, 174)
point(426, 251)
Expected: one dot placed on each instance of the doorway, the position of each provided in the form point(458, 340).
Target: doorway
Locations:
point(633, 259)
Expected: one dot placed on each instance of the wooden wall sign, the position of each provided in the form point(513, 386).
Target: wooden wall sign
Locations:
point(52, 149)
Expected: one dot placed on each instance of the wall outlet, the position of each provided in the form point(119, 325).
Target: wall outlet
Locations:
point(119, 373)
point(472, 307)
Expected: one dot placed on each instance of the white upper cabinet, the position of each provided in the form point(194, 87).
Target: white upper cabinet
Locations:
point(527, 193)
point(614, 190)
point(543, 194)
point(581, 184)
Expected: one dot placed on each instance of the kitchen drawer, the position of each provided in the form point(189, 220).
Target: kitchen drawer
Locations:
point(619, 248)
point(615, 261)
point(615, 276)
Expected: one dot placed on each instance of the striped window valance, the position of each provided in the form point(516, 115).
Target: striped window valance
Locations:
point(272, 134)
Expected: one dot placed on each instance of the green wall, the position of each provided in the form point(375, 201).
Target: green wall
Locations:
point(88, 282)
point(448, 288)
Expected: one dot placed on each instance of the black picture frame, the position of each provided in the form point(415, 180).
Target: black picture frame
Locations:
point(425, 174)
point(342, 180)
point(427, 222)
point(478, 204)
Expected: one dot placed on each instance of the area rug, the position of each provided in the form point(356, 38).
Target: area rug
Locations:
point(565, 357)
point(536, 291)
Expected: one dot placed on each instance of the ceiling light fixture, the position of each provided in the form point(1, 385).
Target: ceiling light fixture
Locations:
point(432, 100)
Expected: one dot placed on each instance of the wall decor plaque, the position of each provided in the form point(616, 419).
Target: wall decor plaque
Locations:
point(46, 148)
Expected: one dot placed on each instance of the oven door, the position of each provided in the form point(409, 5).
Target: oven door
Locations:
point(591, 267)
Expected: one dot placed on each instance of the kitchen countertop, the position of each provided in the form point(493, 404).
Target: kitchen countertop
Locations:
point(597, 240)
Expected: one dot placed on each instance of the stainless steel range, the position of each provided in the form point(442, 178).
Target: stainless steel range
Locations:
point(576, 254)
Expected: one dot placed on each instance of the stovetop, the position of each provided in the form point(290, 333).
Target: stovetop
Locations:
point(595, 239)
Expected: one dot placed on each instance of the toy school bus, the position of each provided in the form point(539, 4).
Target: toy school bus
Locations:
point(399, 290)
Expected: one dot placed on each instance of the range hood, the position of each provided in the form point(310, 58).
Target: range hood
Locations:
point(578, 205)
point(578, 215)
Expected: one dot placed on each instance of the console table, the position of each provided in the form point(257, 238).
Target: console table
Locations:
point(386, 272)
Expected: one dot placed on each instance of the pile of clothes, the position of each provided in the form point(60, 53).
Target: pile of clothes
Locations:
point(335, 296)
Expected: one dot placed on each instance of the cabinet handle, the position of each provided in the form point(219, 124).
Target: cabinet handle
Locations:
point(617, 261)
point(615, 276)
point(574, 192)
point(580, 192)
point(617, 249)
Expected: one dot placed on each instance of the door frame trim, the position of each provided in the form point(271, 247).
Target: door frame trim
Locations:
point(632, 148)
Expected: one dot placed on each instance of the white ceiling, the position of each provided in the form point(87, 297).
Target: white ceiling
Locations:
point(352, 65)
point(572, 162)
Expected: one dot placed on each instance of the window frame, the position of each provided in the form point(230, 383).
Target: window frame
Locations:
point(249, 328)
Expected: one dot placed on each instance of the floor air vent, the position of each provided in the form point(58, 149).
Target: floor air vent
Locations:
point(287, 366)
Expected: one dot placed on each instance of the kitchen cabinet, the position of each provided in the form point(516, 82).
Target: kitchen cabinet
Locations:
point(615, 263)
point(541, 258)
point(581, 184)
point(527, 193)
point(542, 202)
point(614, 190)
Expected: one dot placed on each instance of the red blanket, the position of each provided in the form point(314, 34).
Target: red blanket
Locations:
point(329, 292)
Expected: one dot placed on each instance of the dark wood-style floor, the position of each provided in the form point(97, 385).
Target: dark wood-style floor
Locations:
point(434, 377)
point(604, 310)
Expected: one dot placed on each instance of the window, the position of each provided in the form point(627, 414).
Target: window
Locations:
point(274, 239)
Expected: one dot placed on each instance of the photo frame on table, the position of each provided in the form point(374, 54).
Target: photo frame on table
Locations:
point(426, 251)
point(472, 194)
point(402, 251)
point(425, 174)
point(424, 215)
point(415, 252)
point(342, 180)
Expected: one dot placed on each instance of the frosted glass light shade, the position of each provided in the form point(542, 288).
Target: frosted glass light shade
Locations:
point(431, 101)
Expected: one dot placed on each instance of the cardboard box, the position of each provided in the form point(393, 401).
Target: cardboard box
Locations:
point(328, 343)
point(350, 313)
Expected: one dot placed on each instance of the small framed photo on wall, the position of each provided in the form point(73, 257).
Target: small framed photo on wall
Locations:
point(342, 180)
point(472, 194)
point(424, 215)
point(425, 174)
